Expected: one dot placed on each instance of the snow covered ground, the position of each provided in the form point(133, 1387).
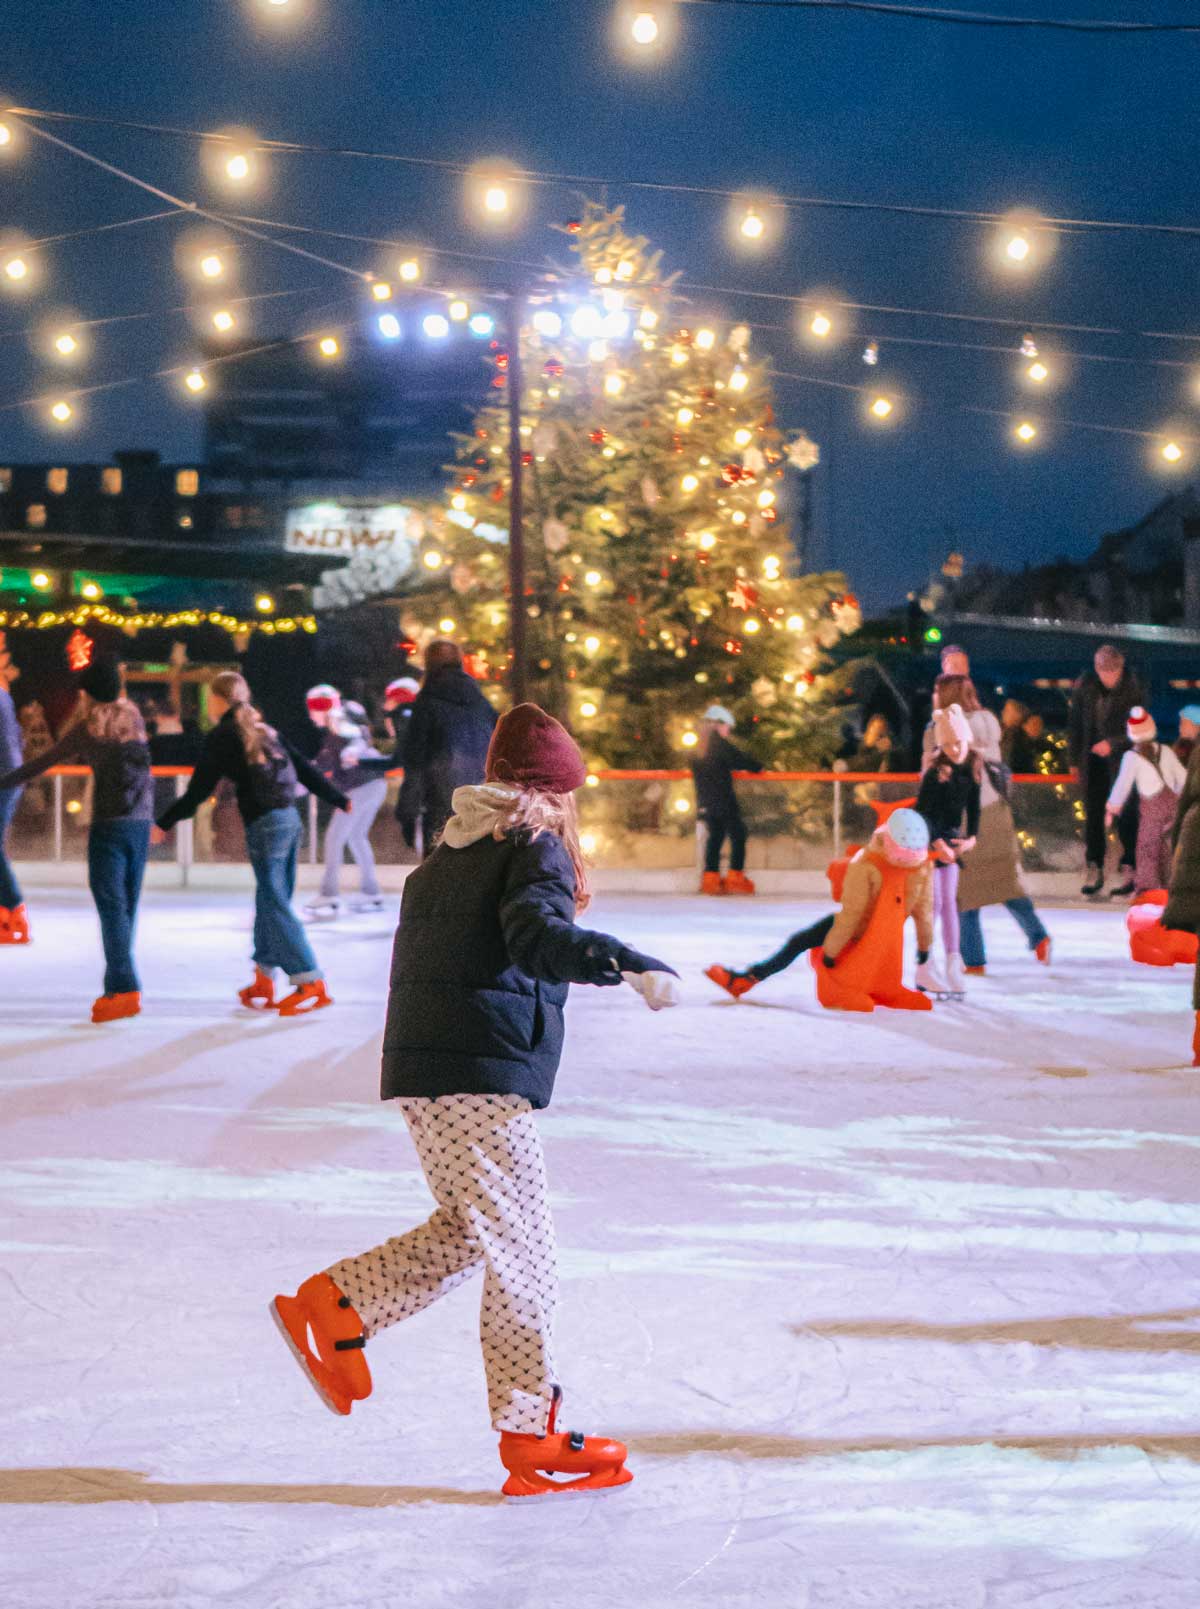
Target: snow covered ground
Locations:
point(894, 1311)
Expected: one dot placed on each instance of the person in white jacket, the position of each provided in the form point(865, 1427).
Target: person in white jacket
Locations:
point(1157, 773)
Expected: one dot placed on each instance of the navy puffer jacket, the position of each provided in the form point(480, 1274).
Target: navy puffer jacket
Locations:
point(486, 948)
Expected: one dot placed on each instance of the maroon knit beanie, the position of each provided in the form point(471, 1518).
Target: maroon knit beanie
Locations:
point(530, 749)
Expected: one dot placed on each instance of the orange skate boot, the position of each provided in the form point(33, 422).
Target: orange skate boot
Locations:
point(711, 883)
point(587, 1463)
point(307, 998)
point(326, 1338)
point(259, 995)
point(1196, 1043)
point(735, 983)
point(18, 926)
point(738, 883)
point(112, 1007)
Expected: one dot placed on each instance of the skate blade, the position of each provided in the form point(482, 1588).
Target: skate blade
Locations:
point(332, 1402)
point(307, 1009)
point(584, 1486)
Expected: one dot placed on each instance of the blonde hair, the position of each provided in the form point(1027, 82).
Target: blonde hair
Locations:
point(535, 812)
point(255, 734)
point(117, 722)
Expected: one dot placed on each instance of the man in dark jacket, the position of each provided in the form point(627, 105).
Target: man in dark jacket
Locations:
point(1100, 704)
point(446, 746)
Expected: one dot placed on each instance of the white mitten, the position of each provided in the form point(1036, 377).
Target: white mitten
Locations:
point(657, 989)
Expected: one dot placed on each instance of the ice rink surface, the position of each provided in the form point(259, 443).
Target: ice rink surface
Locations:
point(897, 1312)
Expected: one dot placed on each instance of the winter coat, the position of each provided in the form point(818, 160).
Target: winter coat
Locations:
point(1183, 904)
point(124, 787)
point(10, 732)
point(269, 785)
point(947, 794)
point(1148, 776)
point(486, 948)
point(860, 890)
point(991, 872)
point(1098, 714)
point(445, 748)
point(349, 759)
point(712, 773)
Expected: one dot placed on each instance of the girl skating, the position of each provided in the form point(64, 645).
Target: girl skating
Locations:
point(110, 736)
point(353, 764)
point(1157, 774)
point(483, 957)
point(949, 793)
point(717, 802)
point(265, 770)
point(14, 919)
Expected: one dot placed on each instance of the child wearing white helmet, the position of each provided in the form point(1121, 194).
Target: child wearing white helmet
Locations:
point(717, 803)
point(349, 758)
point(1156, 772)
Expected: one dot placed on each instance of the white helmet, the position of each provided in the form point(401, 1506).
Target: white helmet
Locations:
point(718, 712)
point(905, 838)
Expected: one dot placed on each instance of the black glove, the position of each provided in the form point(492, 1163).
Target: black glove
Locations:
point(408, 830)
point(828, 960)
point(634, 961)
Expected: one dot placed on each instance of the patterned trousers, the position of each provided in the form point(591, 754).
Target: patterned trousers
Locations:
point(482, 1157)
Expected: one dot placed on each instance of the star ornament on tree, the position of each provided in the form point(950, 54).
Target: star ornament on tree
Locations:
point(803, 454)
point(743, 596)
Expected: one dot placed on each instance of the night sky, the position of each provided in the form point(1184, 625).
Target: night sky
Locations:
point(801, 103)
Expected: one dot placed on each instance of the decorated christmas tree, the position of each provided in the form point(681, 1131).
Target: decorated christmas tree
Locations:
point(660, 572)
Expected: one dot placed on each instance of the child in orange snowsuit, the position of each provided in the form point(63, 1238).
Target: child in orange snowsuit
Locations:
point(859, 965)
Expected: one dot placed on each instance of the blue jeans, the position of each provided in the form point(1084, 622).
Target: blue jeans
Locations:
point(10, 889)
point(116, 864)
point(971, 934)
point(279, 937)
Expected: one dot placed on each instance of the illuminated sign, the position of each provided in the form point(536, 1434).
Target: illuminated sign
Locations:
point(330, 529)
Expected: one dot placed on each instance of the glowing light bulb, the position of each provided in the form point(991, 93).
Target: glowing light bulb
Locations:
point(66, 344)
point(40, 580)
point(648, 319)
point(381, 291)
point(591, 644)
point(410, 270)
point(458, 501)
point(1017, 248)
point(195, 381)
point(821, 325)
point(689, 740)
point(882, 407)
point(706, 540)
point(211, 266)
point(61, 412)
point(738, 517)
point(435, 326)
point(644, 28)
point(496, 200)
point(458, 311)
point(689, 484)
point(446, 625)
point(238, 167)
point(588, 710)
point(1025, 431)
point(389, 326)
point(766, 498)
point(223, 320)
point(265, 603)
point(593, 578)
point(328, 346)
point(1172, 452)
point(625, 269)
point(752, 625)
point(613, 385)
point(89, 589)
point(752, 225)
point(739, 380)
point(16, 268)
point(795, 622)
point(432, 560)
point(705, 340)
point(679, 356)
point(482, 324)
point(5, 134)
point(1038, 372)
point(684, 416)
point(604, 276)
point(547, 323)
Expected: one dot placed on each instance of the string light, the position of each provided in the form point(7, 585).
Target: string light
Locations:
point(706, 340)
point(458, 311)
point(40, 580)
point(17, 269)
point(739, 380)
point(1017, 248)
point(432, 559)
point(1026, 431)
point(49, 619)
point(591, 644)
point(882, 407)
point(238, 168)
point(1038, 373)
point(195, 381)
point(436, 326)
point(1172, 452)
point(871, 354)
point(613, 385)
point(5, 135)
point(684, 416)
point(706, 540)
point(547, 323)
point(62, 413)
point(743, 437)
point(496, 200)
point(91, 591)
point(588, 710)
point(224, 321)
point(689, 484)
point(211, 266)
point(751, 226)
point(381, 291)
point(328, 346)
point(821, 325)
point(446, 626)
point(389, 326)
point(644, 30)
point(410, 270)
point(66, 345)
point(593, 579)
point(648, 319)
point(752, 625)
point(482, 325)
point(1029, 347)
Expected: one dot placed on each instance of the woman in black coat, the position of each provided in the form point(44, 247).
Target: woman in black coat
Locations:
point(446, 743)
point(485, 952)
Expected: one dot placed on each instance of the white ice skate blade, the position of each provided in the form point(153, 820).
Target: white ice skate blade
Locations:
point(277, 1316)
point(565, 1491)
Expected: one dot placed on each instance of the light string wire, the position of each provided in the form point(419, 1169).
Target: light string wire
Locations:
point(158, 312)
point(546, 177)
point(976, 19)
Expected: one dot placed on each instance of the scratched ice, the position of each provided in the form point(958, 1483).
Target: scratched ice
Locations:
point(892, 1311)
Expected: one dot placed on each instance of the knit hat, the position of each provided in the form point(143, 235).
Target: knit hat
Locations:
point(322, 698)
point(905, 837)
point(529, 749)
point(402, 691)
point(102, 680)
point(1190, 712)
point(1140, 727)
point(718, 712)
point(952, 732)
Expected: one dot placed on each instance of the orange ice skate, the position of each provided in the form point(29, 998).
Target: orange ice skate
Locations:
point(326, 1338)
point(585, 1463)
point(259, 995)
point(738, 883)
point(14, 926)
point(112, 1007)
point(711, 883)
point(307, 998)
point(735, 983)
